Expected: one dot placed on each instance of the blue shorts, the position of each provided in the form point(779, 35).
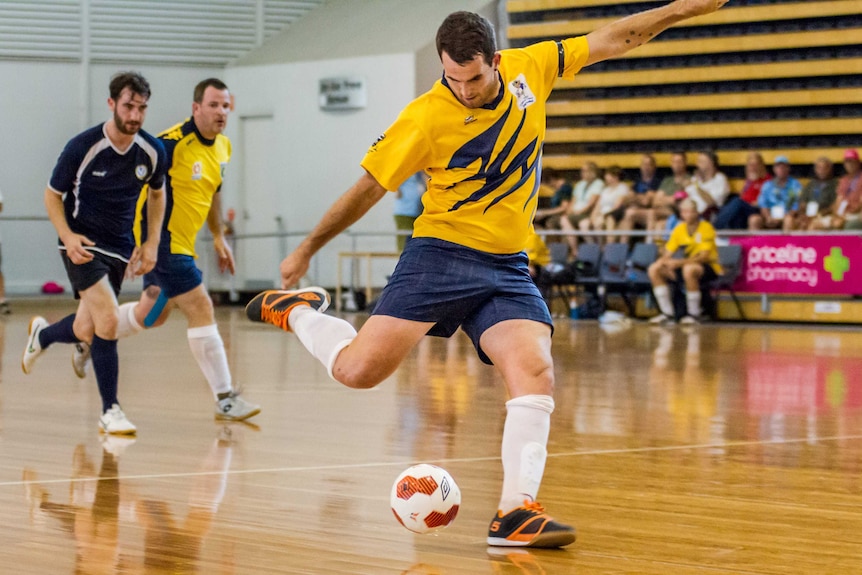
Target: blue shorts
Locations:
point(175, 274)
point(452, 285)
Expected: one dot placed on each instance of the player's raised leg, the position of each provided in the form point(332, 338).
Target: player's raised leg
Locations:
point(358, 360)
point(521, 351)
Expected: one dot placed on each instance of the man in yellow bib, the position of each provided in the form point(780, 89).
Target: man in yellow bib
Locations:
point(478, 134)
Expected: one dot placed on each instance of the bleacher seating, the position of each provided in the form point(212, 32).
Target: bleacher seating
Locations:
point(778, 76)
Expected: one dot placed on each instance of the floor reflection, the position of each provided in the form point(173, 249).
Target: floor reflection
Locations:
point(99, 503)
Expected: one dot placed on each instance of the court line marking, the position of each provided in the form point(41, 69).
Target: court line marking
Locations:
point(294, 469)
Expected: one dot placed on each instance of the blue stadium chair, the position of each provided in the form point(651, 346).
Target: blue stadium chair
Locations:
point(730, 259)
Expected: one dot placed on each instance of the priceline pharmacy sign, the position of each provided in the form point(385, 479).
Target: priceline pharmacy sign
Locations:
point(801, 264)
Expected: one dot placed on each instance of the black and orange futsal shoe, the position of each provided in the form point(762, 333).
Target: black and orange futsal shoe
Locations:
point(273, 306)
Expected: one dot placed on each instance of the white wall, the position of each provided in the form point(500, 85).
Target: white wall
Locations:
point(315, 155)
point(42, 105)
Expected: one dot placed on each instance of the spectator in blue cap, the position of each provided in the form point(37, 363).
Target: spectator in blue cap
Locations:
point(779, 199)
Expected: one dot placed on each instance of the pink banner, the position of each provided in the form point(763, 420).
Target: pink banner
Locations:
point(801, 264)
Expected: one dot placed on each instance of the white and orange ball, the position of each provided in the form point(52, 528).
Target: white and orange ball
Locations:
point(425, 498)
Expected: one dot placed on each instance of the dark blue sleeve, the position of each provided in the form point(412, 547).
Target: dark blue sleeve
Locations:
point(66, 169)
point(158, 178)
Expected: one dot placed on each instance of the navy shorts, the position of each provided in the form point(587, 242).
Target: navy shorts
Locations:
point(455, 286)
point(175, 274)
point(89, 274)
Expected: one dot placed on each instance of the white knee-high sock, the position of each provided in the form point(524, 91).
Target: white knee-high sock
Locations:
point(128, 325)
point(525, 437)
point(662, 298)
point(692, 302)
point(208, 349)
point(323, 335)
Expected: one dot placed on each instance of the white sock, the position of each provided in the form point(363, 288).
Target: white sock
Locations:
point(323, 335)
point(662, 298)
point(525, 437)
point(692, 302)
point(127, 324)
point(208, 349)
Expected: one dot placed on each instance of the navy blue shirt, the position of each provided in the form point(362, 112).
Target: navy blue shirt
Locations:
point(101, 186)
point(643, 186)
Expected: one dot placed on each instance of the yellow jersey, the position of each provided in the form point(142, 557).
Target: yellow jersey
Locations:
point(195, 172)
point(703, 240)
point(484, 163)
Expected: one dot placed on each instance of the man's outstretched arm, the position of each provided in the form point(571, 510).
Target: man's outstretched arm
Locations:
point(617, 38)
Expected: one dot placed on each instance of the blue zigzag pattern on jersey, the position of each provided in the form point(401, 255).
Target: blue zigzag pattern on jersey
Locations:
point(480, 148)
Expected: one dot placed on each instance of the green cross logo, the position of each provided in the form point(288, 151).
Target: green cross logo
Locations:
point(836, 264)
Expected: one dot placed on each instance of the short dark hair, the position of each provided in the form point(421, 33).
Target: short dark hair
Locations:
point(713, 157)
point(131, 80)
point(204, 84)
point(615, 171)
point(464, 35)
point(549, 175)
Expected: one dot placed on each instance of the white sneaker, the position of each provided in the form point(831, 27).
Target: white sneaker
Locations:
point(115, 422)
point(689, 320)
point(81, 359)
point(235, 408)
point(34, 348)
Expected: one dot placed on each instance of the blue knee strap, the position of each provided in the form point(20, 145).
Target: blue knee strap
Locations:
point(157, 310)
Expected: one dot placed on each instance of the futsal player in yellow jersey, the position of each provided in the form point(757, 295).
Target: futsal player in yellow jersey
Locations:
point(696, 238)
point(478, 134)
point(197, 153)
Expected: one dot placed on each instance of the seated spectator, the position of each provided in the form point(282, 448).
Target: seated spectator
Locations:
point(549, 218)
point(817, 200)
point(665, 200)
point(698, 266)
point(849, 192)
point(545, 194)
point(709, 187)
point(779, 199)
point(611, 204)
point(735, 213)
point(584, 199)
point(641, 211)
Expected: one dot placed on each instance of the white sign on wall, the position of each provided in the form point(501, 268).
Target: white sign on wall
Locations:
point(343, 93)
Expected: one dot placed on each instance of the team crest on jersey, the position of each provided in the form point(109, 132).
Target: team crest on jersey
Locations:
point(519, 88)
point(197, 170)
point(141, 171)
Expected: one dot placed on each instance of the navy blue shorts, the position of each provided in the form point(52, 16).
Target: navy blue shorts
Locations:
point(175, 274)
point(455, 286)
point(89, 274)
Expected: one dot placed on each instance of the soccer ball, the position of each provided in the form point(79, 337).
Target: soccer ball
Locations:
point(425, 498)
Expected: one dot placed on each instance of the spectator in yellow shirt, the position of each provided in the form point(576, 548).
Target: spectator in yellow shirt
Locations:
point(696, 264)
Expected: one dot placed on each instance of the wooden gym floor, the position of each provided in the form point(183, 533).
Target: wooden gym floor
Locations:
point(706, 450)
